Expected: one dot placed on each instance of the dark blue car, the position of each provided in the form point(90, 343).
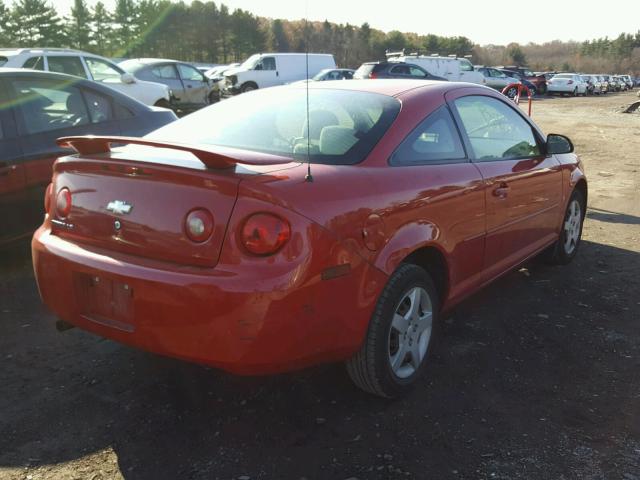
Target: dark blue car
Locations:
point(36, 108)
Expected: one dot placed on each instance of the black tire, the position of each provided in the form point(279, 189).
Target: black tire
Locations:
point(575, 92)
point(370, 368)
point(558, 253)
point(247, 87)
point(213, 98)
point(512, 93)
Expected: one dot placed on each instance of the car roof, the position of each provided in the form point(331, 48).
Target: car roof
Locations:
point(153, 61)
point(390, 87)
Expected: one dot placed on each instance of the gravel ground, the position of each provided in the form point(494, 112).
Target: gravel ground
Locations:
point(536, 377)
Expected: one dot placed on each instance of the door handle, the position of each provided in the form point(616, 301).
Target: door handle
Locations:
point(189, 86)
point(501, 191)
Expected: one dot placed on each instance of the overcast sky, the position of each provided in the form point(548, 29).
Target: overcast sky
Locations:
point(481, 21)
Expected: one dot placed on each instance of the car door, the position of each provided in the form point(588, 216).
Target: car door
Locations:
point(47, 110)
point(195, 84)
point(266, 73)
point(523, 185)
point(447, 196)
point(13, 195)
point(167, 73)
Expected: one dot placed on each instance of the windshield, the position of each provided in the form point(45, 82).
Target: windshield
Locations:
point(343, 125)
point(320, 74)
point(250, 63)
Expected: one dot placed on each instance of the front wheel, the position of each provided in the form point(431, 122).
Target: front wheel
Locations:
point(162, 103)
point(566, 247)
point(394, 354)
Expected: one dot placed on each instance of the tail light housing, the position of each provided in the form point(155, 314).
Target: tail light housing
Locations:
point(63, 203)
point(373, 75)
point(264, 233)
point(47, 198)
point(198, 225)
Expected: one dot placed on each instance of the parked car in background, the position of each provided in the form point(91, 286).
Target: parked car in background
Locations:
point(395, 69)
point(567, 83)
point(334, 74)
point(216, 78)
point(521, 79)
point(451, 68)
point(270, 69)
point(547, 75)
point(539, 81)
point(227, 255)
point(628, 80)
point(623, 86)
point(35, 109)
point(190, 89)
point(614, 84)
point(604, 83)
point(89, 66)
point(494, 78)
point(591, 85)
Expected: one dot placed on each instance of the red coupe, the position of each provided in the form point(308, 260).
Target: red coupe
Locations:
point(289, 227)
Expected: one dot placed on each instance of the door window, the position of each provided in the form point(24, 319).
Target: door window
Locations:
point(69, 65)
point(49, 105)
point(34, 63)
point(168, 72)
point(190, 73)
point(416, 72)
point(400, 70)
point(495, 130)
point(268, 63)
point(102, 71)
point(435, 140)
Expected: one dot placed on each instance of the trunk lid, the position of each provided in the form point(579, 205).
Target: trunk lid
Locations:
point(135, 202)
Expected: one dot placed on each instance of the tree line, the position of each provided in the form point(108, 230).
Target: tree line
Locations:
point(205, 31)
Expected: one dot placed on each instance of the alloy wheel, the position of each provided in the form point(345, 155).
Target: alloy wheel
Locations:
point(572, 225)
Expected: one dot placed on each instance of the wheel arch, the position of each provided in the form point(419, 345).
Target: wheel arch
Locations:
point(249, 83)
point(433, 260)
point(581, 186)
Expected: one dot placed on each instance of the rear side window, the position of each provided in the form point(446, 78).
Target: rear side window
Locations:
point(35, 63)
point(165, 71)
point(3, 60)
point(416, 72)
point(48, 105)
point(435, 140)
point(495, 130)
point(69, 65)
point(99, 107)
point(341, 127)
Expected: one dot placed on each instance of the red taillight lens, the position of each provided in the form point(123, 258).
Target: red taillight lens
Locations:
point(198, 225)
point(265, 233)
point(63, 203)
point(373, 75)
point(47, 198)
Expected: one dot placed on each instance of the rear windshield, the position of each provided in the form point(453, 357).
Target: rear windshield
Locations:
point(343, 125)
point(3, 60)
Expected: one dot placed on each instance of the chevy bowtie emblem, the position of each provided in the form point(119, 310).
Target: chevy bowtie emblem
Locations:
point(119, 207)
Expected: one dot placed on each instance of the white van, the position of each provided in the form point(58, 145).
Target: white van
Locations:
point(270, 69)
point(452, 68)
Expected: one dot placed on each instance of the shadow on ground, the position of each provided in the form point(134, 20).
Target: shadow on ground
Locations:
point(535, 377)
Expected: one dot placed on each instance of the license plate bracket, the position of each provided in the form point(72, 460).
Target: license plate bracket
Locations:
point(105, 301)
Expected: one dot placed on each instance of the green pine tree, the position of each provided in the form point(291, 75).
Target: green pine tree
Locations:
point(36, 24)
point(101, 29)
point(78, 26)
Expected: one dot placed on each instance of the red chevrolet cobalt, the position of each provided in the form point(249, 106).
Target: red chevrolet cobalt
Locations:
point(259, 236)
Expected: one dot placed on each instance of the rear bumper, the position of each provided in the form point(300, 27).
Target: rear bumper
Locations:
point(561, 88)
point(229, 318)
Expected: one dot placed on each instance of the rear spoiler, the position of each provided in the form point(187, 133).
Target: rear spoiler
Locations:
point(211, 155)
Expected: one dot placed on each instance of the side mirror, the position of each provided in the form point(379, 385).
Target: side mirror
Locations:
point(557, 144)
point(127, 78)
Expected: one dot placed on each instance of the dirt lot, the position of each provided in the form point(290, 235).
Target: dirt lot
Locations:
point(537, 377)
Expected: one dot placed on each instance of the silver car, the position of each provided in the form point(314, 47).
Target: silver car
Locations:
point(494, 78)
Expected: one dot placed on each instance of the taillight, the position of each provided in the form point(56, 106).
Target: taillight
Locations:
point(198, 225)
point(47, 198)
point(373, 75)
point(265, 233)
point(63, 203)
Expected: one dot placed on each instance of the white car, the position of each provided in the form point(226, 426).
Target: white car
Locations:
point(567, 83)
point(270, 69)
point(89, 66)
point(454, 69)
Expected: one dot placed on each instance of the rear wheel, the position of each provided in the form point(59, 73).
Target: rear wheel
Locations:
point(512, 92)
point(162, 103)
point(394, 354)
point(566, 247)
point(247, 87)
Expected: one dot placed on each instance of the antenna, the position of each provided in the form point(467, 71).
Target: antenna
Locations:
point(308, 177)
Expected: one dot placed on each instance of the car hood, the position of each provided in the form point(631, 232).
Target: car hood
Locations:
point(234, 71)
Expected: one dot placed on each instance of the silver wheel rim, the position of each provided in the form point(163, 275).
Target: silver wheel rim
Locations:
point(410, 332)
point(572, 227)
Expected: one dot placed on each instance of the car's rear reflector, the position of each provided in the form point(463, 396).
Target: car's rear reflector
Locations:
point(212, 156)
